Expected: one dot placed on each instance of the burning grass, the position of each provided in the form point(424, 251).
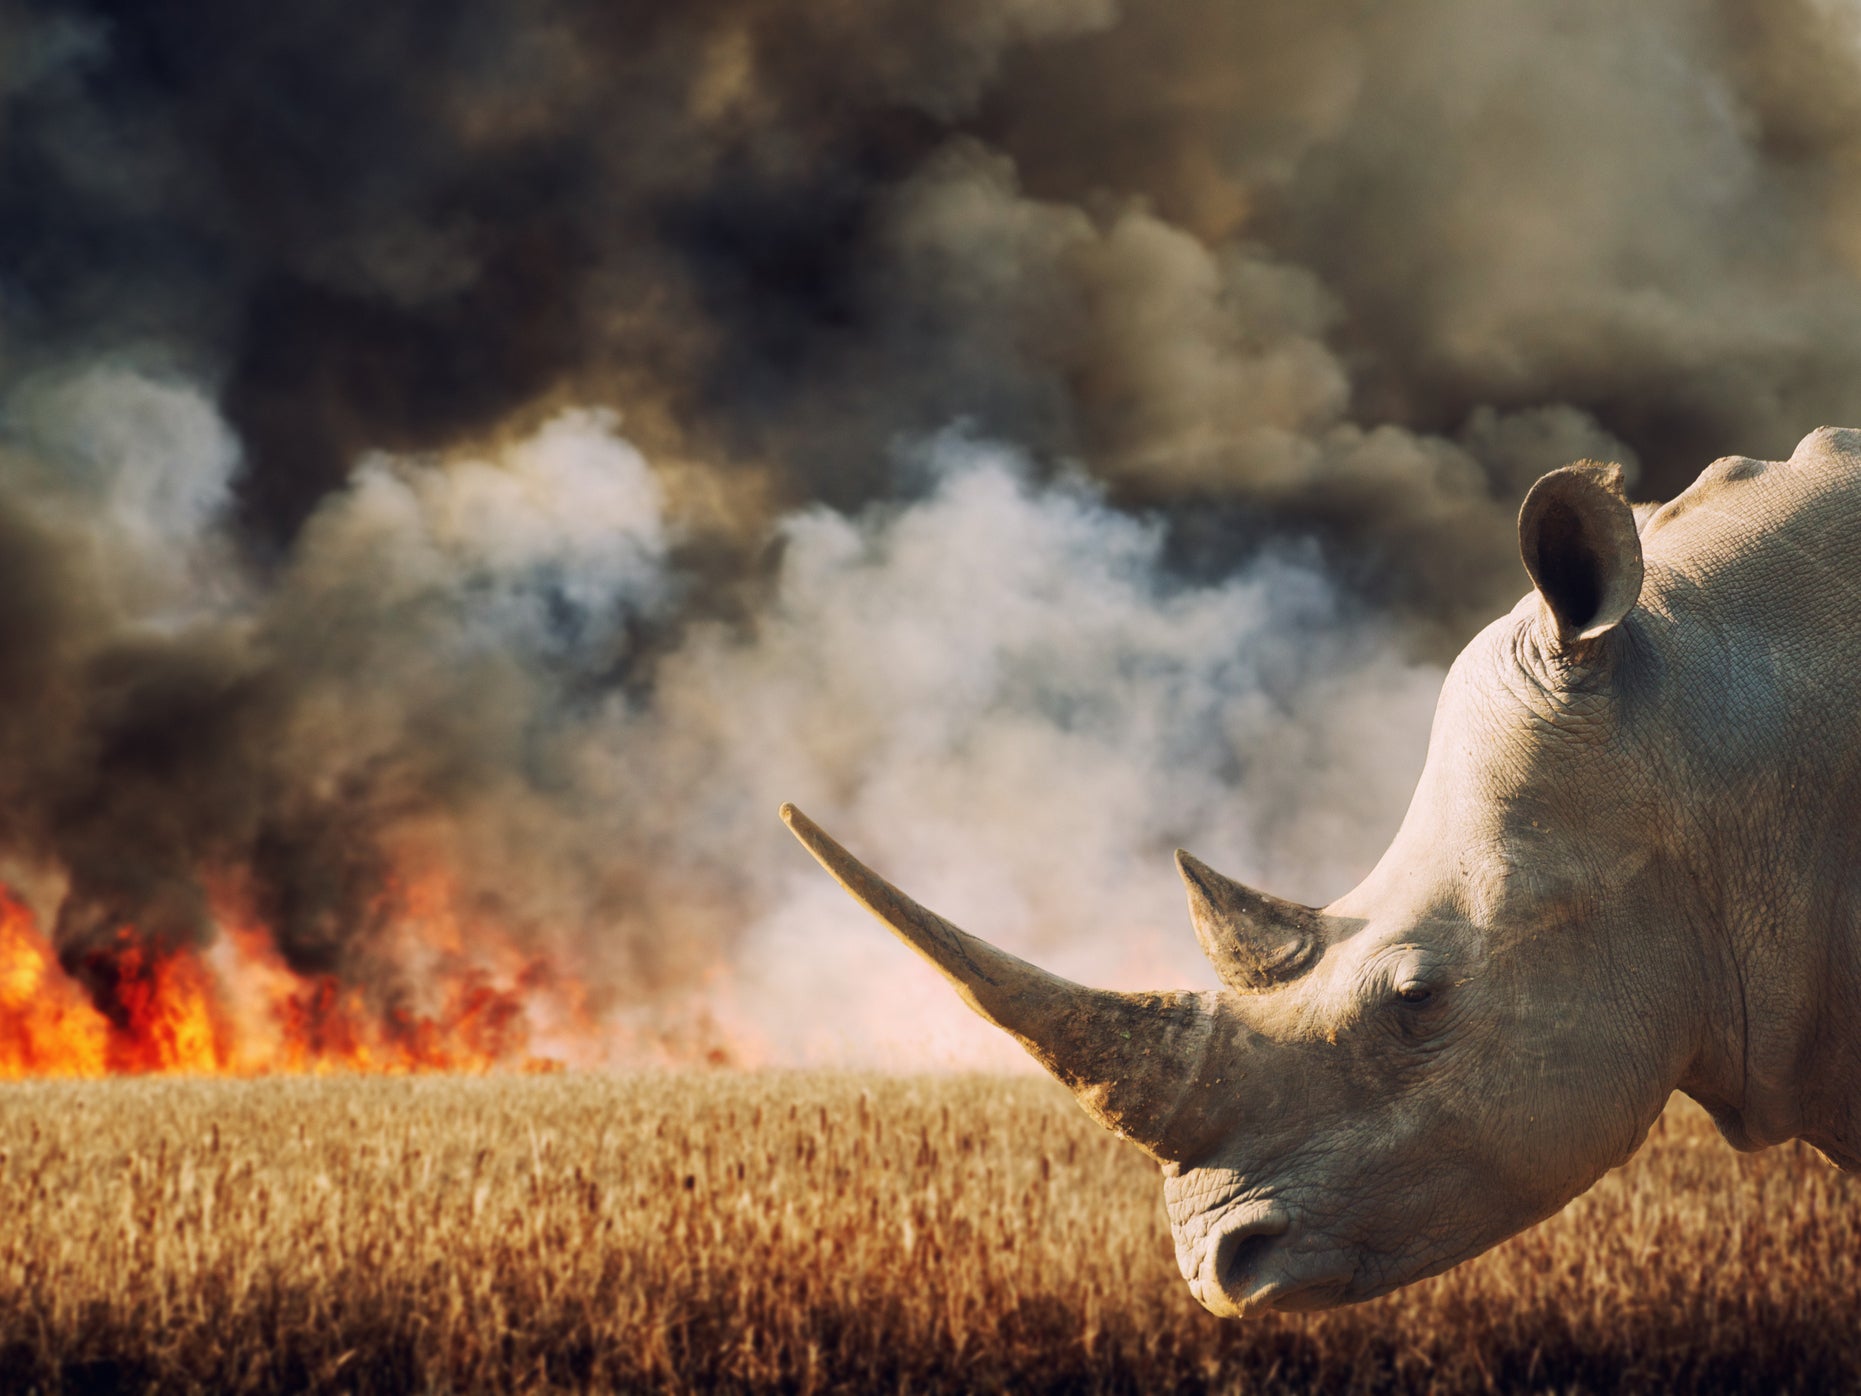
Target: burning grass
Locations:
point(814, 1232)
point(235, 1007)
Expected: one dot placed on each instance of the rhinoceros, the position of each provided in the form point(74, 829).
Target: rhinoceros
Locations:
point(1632, 865)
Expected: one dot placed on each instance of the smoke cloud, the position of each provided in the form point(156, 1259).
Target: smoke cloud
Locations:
point(527, 441)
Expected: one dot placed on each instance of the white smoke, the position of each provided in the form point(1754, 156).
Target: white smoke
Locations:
point(137, 471)
point(1000, 697)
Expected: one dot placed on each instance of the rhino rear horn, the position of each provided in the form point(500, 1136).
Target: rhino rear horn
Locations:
point(1133, 1061)
point(1254, 941)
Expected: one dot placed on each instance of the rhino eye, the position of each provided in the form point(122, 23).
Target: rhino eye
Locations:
point(1414, 993)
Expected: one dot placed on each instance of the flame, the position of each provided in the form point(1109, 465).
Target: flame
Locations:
point(235, 1007)
point(48, 1026)
point(170, 1021)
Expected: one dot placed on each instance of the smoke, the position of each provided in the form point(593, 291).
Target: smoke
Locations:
point(997, 684)
point(1000, 689)
point(531, 440)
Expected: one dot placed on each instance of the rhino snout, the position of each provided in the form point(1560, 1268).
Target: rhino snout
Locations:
point(1238, 1271)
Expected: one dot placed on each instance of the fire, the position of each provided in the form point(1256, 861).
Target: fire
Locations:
point(235, 1007)
point(170, 1021)
point(48, 1027)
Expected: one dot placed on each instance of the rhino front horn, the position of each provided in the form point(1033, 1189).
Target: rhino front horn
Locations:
point(1254, 941)
point(1131, 1060)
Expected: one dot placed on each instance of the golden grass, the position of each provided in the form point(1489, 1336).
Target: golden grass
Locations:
point(813, 1232)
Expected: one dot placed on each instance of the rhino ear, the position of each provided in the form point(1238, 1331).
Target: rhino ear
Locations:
point(1577, 536)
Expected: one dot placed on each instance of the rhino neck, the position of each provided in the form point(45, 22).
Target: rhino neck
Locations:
point(1778, 1056)
point(1789, 1068)
point(1779, 1053)
point(1804, 962)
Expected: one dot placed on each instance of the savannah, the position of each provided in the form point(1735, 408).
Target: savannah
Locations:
point(813, 1232)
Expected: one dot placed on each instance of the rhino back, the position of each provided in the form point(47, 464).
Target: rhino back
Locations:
point(1753, 600)
point(1773, 546)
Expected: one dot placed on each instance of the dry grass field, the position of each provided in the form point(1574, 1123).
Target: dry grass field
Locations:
point(803, 1233)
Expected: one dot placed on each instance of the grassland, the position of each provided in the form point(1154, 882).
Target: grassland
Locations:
point(805, 1233)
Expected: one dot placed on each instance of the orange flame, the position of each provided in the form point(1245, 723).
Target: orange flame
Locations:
point(47, 1025)
point(236, 1007)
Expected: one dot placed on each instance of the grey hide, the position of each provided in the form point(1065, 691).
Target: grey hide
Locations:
point(1631, 866)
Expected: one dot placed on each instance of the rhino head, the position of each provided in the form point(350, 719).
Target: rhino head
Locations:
point(1452, 1051)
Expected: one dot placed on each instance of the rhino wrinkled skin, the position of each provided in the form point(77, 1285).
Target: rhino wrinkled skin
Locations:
point(1630, 867)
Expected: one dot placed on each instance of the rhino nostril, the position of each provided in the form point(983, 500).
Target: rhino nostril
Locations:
point(1241, 1247)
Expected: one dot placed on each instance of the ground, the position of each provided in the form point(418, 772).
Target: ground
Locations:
point(807, 1232)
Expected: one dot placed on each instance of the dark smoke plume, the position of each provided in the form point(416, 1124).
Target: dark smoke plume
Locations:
point(534, 437)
